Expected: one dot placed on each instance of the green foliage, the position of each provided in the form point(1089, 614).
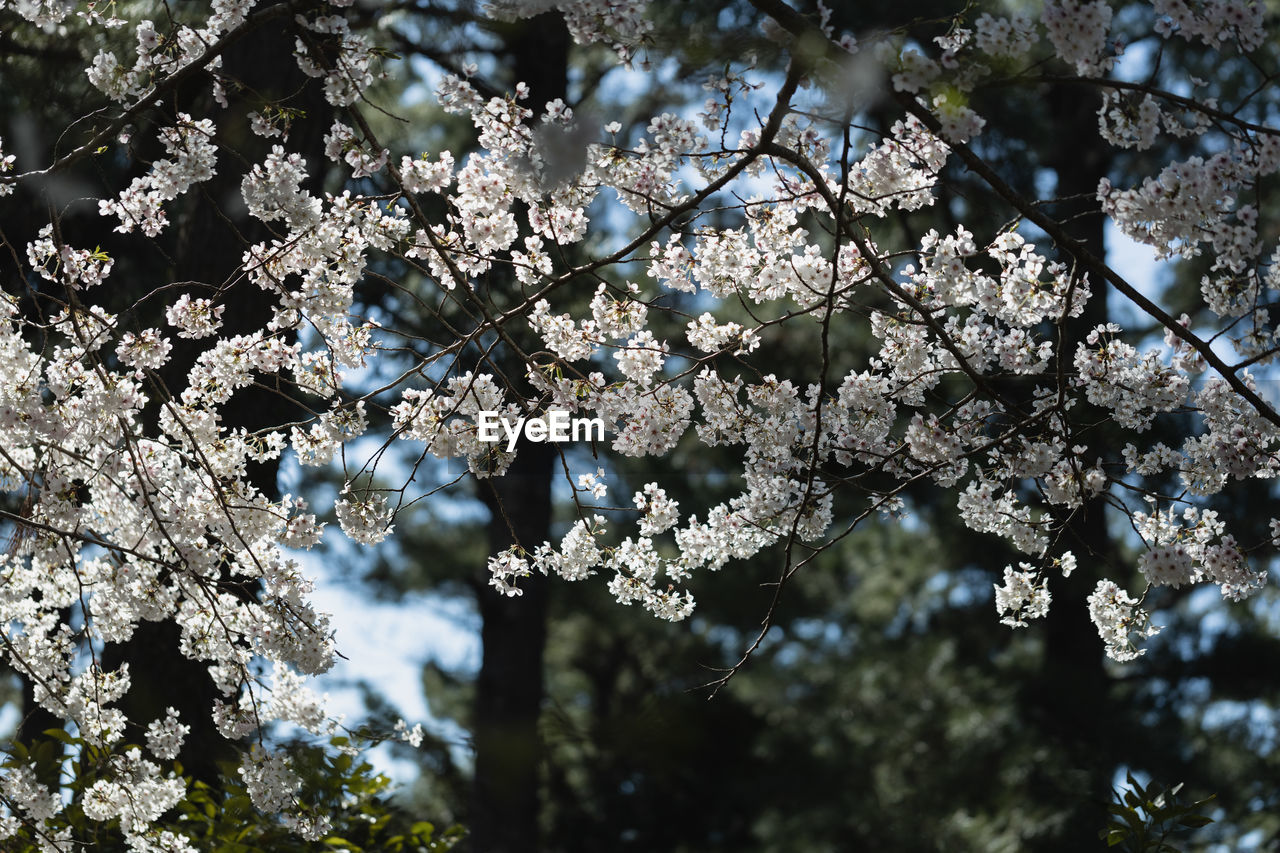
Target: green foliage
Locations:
point(1144, 819)
point(336, 783)
point(885, 687)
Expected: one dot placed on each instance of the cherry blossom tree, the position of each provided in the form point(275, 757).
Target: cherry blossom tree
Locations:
point(772, 212)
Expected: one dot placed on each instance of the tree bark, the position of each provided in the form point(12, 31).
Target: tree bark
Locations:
point(212, 232)
point(508, 750)
point(1071, 696)
point(505, 803)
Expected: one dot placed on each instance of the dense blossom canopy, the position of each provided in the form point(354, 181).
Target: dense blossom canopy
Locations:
point(762, 210)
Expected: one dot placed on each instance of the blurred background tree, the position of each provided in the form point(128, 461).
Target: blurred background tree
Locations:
point(885, 709)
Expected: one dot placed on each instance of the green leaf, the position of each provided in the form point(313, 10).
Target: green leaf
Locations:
point(1130, 817)
point(1194, 821)
point(1137, 789)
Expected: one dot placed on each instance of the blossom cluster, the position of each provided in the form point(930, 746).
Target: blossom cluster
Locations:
point(755, 230)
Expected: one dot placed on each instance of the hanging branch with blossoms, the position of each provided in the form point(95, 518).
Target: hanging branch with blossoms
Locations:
point(768, 224)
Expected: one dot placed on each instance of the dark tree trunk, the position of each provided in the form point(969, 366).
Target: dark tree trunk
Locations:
point(508, 751)
point(212, 231)
point(1071, 696)
point(505, 803)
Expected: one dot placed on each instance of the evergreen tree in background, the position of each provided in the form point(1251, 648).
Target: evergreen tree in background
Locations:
point(899, 230)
